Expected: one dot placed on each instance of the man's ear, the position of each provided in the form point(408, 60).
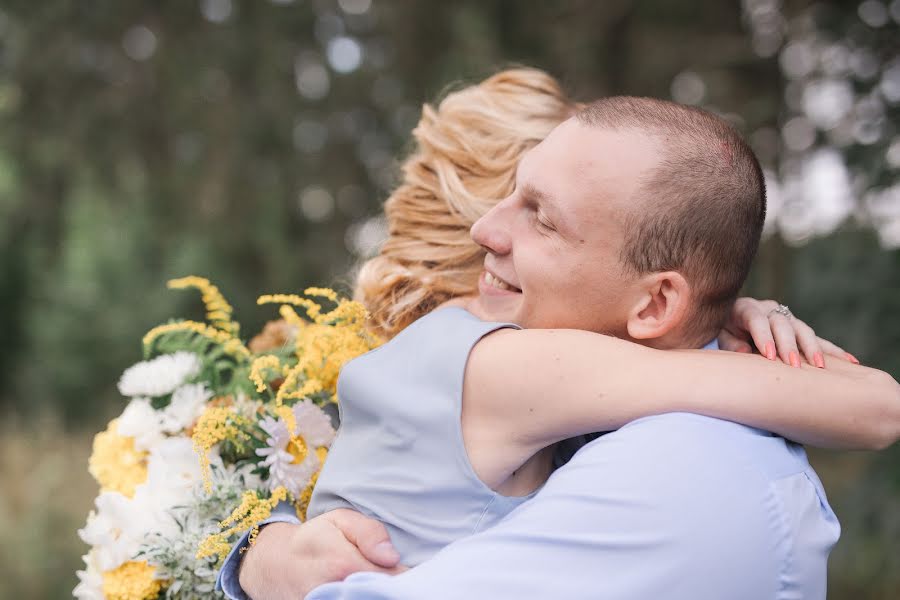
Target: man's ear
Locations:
point(662, 306)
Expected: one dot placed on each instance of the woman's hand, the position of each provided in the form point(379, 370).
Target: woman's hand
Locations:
point(756, 323)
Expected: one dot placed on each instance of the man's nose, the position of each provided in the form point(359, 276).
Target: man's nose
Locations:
point(491, 231)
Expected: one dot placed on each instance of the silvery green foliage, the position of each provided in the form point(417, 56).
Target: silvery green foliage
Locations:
point(176, 556)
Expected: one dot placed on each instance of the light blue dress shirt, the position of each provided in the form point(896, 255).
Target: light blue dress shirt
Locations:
point(674, 506)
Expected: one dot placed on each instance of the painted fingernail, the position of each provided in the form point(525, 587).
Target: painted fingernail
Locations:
point(852, 358)
point(770, 351)
point(795, 360)
point(745, 349)
point(819, 360)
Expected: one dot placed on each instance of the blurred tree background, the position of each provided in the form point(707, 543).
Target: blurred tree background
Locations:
point(252, 142)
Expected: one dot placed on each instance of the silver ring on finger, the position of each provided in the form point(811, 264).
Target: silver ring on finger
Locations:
point(782, 310)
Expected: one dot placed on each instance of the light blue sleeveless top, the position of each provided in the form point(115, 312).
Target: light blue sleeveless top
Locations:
point(399, 455)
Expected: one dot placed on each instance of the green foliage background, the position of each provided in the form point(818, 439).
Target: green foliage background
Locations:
point(126, 160)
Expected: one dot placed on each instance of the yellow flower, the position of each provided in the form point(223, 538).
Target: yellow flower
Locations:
point(288, 313)
point(216, 424)
point(251, 511)
point(324, 346)
point(313, 309)
point(302, 504)
point(115, 463)
point(268, 362)
point(134, 580)
point(322, 293)
point(346, 311)
point(291, 387)
point(231, 344)
point(218, 311)
point(323, 350)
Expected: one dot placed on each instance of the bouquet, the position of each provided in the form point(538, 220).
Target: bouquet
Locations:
point(214, 435)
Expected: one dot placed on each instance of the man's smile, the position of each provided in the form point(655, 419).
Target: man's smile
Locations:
point(491, 284)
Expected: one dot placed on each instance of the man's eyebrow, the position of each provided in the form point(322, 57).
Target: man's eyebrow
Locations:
point(540, 197)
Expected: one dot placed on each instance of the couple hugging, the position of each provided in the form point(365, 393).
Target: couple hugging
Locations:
point(555, 270)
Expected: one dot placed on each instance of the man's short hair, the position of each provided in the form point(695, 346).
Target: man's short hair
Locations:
point(700, 211)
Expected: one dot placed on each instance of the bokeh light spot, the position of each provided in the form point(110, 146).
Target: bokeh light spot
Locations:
point(344, 54)
point(139, 43)
point(316, 204)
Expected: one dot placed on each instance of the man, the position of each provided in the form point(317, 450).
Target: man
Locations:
point(637, 218)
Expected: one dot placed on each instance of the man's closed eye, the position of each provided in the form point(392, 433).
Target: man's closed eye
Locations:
point(544, 224)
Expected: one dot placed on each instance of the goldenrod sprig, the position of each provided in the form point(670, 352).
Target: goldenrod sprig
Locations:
point(218, 311)
point(252, 510)
point(291, 388)
point(230, 344)
point(217, 424)
point(288, 313)
point(260, 366)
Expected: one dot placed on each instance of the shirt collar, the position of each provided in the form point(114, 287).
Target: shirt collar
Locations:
point(713, 345)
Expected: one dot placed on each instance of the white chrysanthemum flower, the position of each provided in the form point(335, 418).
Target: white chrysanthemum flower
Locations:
point(142, 422)
point(148, 426)
point(115, 530)
point(173, 473)
point(90, 580)
point(159, 376)
point(292, 460)
point(188, 402)
point(120, 525)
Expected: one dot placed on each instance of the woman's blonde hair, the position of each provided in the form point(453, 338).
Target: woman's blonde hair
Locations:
point(464, 162)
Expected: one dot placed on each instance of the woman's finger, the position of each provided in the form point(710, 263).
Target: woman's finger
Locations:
point(785, 339)
point(730, 342)
point(836, 351)
point(760, 329)
point(808, 342)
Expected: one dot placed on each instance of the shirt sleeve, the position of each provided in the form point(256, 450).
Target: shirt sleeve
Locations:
point(227, 580)
point(658, 509)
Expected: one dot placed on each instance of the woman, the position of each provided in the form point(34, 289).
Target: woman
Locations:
point(411, 451)
point(463, 163)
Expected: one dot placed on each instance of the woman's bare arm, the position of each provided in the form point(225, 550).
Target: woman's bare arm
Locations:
point(530, 388)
